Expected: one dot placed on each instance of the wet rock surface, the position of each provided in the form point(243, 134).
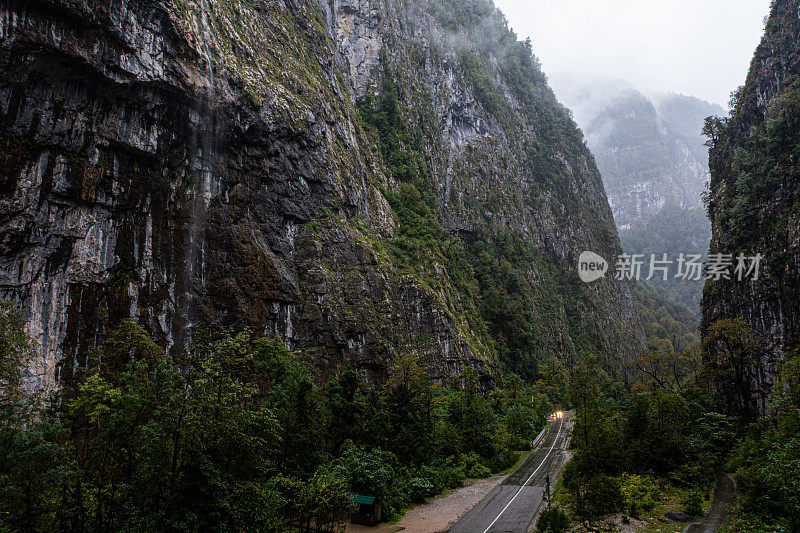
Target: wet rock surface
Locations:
point(771, 303)
point(187, 163)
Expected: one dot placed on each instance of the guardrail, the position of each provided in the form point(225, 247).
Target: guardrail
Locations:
point(540, 436)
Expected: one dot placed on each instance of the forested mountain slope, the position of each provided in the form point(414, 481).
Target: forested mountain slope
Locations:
point(360, 178)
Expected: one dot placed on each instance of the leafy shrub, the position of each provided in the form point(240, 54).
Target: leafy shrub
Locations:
point(419, 488)
point(478, 471)
point(552, 520)
point(602, 496)
point(326, 499)
point(474, 467)
point(504, 458)
point(639, 493)
point(452, 474)
point(433, 475)
point(693, 502)
point(374, 472)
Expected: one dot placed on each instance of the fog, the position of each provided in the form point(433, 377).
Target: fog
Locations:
point(695, 47)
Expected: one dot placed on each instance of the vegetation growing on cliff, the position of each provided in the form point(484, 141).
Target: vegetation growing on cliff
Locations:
point(748, 171)
point(668, 325)
point(422, 247)
point(767, 461)
point(753, 204)
point(672, 231)
point(16, 351)
point(239, 433)
point(489, 271)
point(519, 298)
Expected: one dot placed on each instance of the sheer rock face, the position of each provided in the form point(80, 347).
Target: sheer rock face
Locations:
point(187, 163)
point(771, 304)
point(649, 149)
point(671, 175)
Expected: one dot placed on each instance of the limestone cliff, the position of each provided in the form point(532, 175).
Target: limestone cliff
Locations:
point(652, 155)
point(754, 202)
point(231, 162)
point(649, 149)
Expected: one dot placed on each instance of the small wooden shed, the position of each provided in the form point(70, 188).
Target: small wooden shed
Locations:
point(367, 512)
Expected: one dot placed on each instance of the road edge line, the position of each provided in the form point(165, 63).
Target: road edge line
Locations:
point(529, 478)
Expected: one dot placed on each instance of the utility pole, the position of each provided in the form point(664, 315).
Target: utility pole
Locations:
point(546, 495)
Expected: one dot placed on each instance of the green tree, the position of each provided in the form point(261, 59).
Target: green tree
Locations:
point(33, 469)
point(732, 353)
point(326, 499)
point(552, 520)
point(767, 460)
point(372, 472)
point(409, 402)
point(639, 493)
point(16, 350)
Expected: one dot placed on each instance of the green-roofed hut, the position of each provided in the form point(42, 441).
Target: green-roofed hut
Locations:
point(367, 512)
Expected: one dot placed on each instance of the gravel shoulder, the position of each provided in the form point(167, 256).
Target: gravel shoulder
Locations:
point(440, 513)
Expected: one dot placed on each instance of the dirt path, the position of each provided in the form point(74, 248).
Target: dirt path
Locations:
point(718, 512)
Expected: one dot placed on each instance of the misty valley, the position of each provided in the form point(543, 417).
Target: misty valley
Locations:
point(378, 265)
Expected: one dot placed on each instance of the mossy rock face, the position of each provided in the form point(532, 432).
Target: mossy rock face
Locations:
point(331, 174)
point(505, 169)
point(754, 197)
point(378, 309)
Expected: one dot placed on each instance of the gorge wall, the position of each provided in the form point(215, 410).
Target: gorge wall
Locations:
point(755, 197)
point(337, 174)
point(652, 155)
point(649, 149)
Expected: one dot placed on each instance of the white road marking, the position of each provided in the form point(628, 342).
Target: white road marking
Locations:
point(529, 478)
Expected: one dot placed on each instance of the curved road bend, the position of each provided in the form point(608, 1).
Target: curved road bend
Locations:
point(512, 505)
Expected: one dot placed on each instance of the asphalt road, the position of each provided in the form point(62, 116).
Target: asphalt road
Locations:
point(512, 505)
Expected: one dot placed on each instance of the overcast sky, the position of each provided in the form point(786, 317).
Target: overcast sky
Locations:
point(697, 47)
